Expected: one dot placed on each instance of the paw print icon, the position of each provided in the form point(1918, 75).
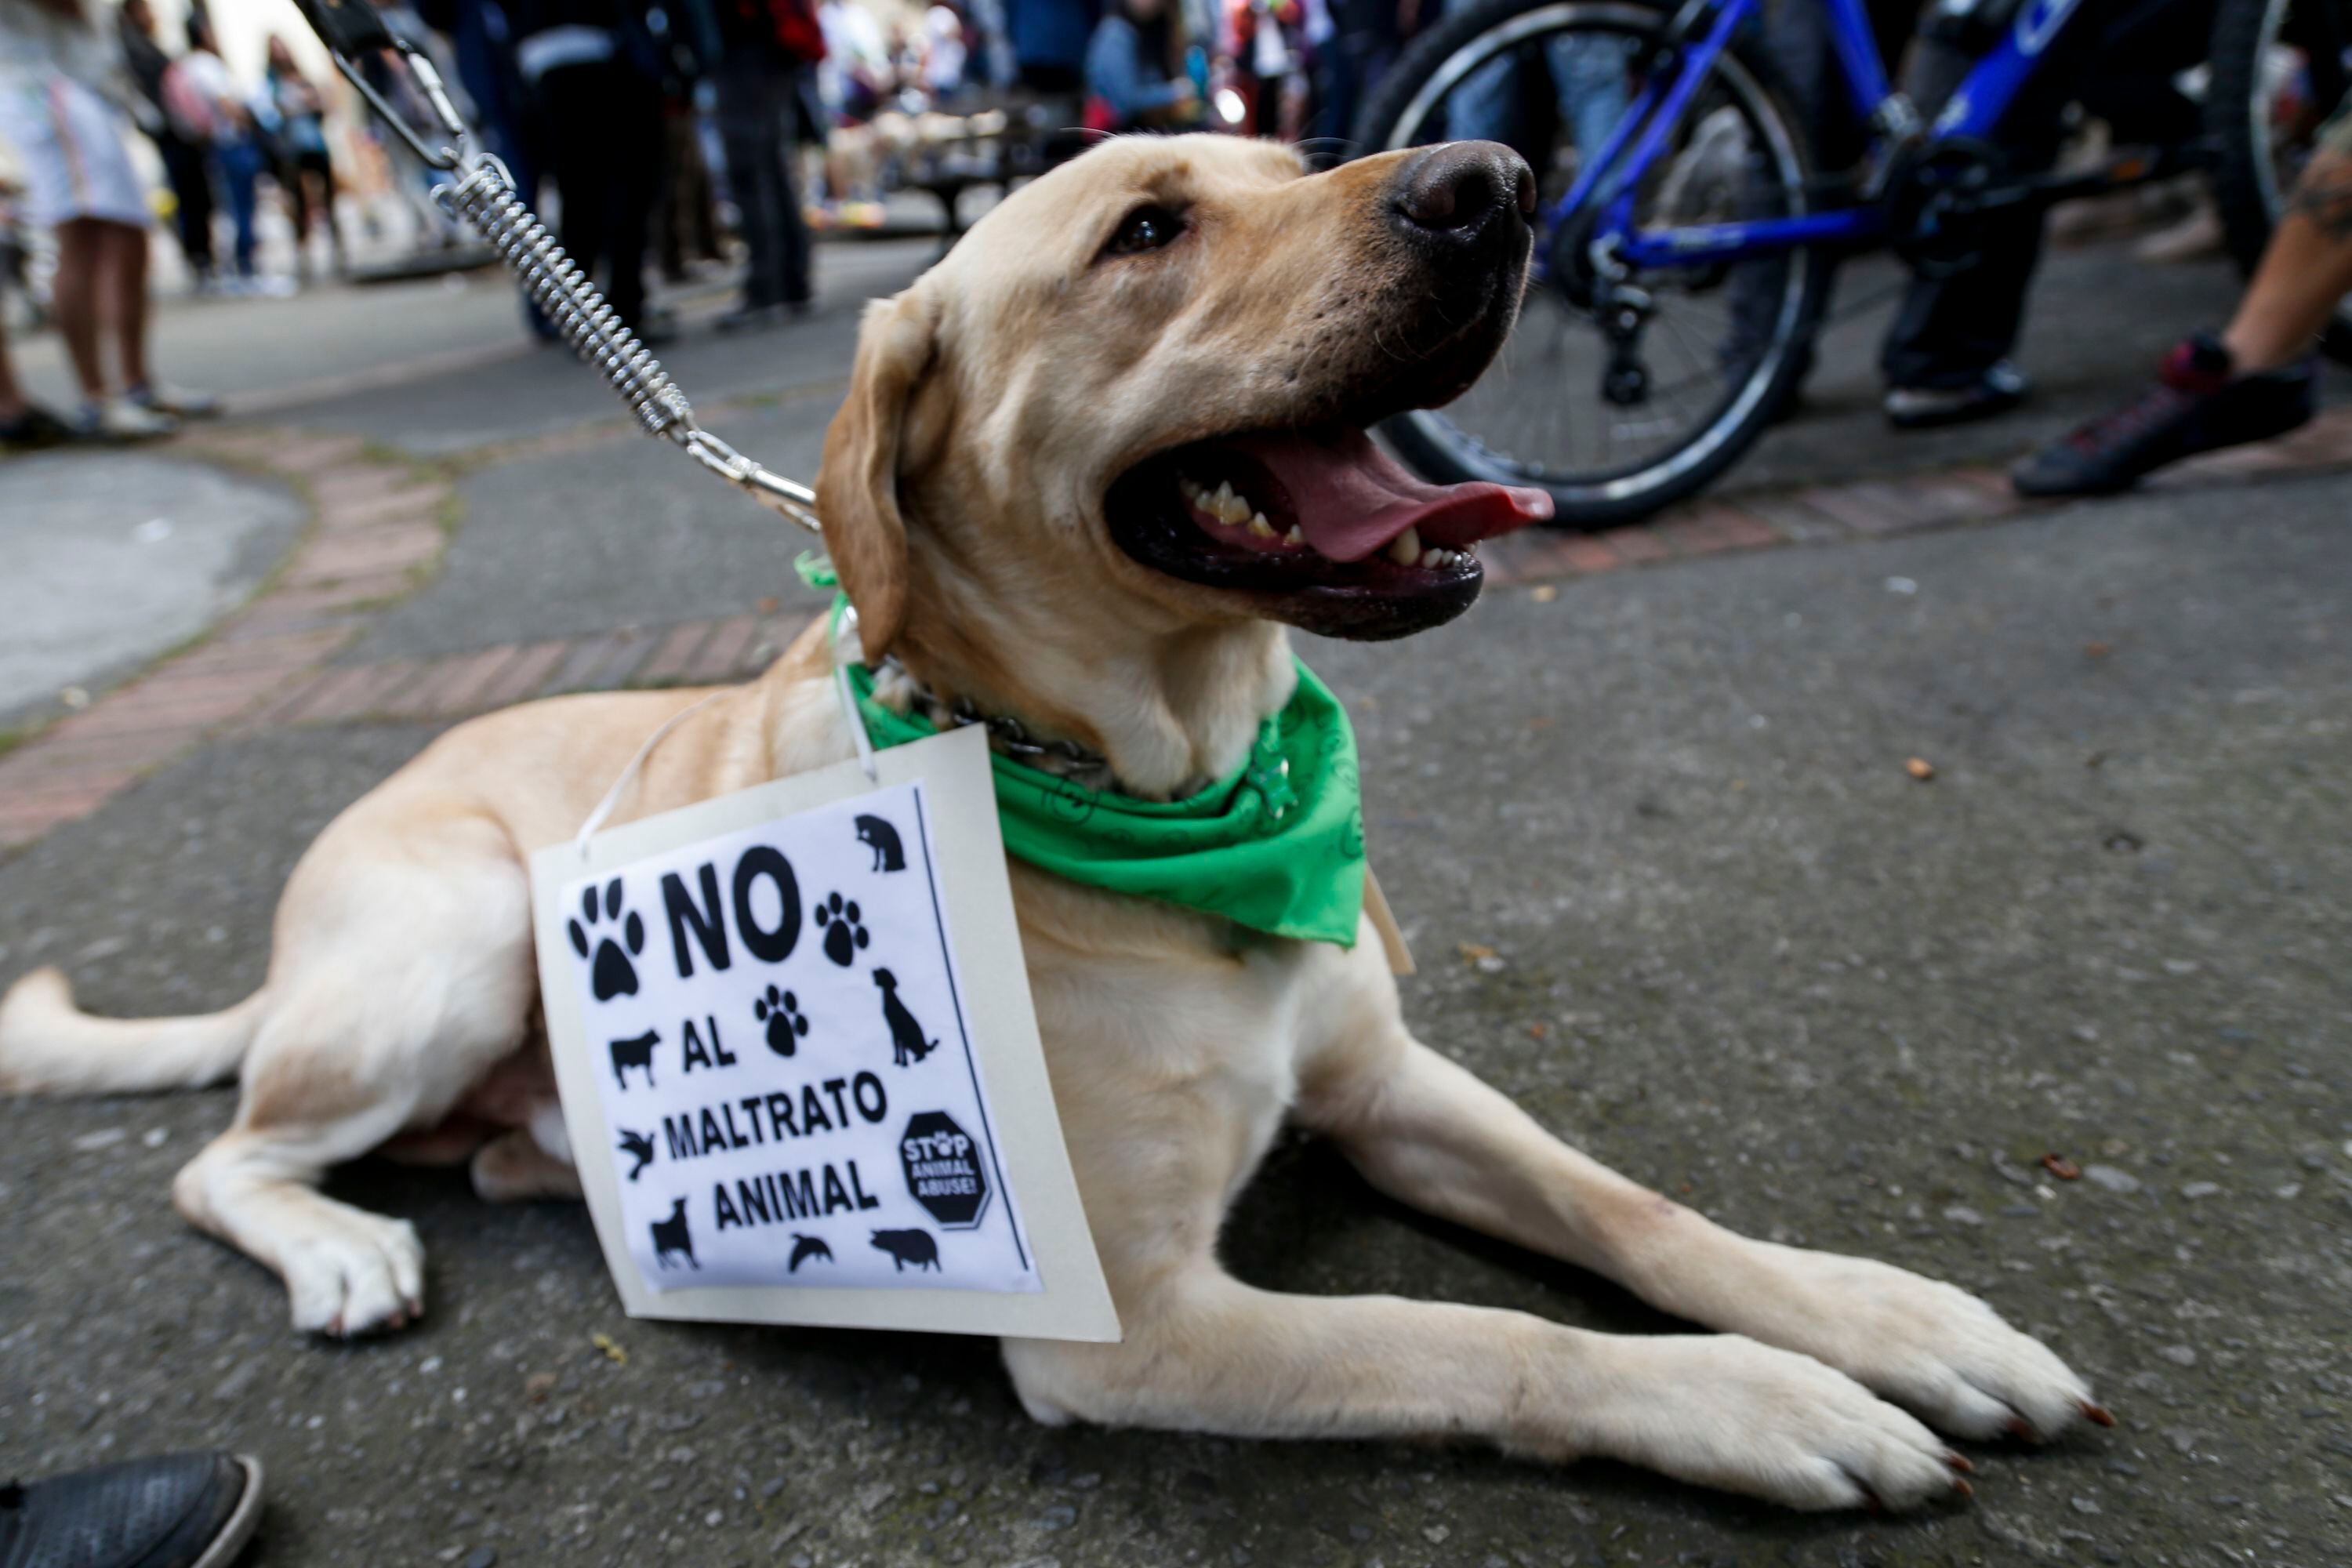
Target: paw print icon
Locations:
point(843, 928)
point(610, 972)
point(781, 1012)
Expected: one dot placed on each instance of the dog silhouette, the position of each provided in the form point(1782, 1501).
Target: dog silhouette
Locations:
point(671, 1237)
point(638, 1146)
point(805, 1247)
point(637, 1052)
point(908, 1046)
point(878, 835)
point(905, 1246)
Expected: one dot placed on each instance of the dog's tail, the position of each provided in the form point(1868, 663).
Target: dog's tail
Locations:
point(49, 1046)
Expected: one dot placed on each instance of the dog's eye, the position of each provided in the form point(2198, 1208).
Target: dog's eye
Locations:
point(1145, 228)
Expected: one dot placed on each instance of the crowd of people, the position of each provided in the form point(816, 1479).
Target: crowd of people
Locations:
point(659, 127)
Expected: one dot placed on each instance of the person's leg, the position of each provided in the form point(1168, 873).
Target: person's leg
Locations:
point(1480, 107)
point(74, 300)
point(13, 405)
point(24, 424)
point(2256, 380)
point(748, 129)
point(1951, 340)
point(636, 151)
point(2305, 271)
point(579, 149)
point(192, 201)
point(241, 169)
point(792, 224)
point(1588, 76)
point(124, 251)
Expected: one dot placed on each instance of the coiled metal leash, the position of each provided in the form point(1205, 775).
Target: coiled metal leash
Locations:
point(483, 196)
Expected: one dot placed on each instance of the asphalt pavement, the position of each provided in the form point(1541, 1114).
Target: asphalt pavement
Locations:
point(1671, 886)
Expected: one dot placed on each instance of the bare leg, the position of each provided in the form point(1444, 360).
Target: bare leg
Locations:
point(1425, 1131)
point(127, 295)
point(74, 296)
point(12, 396)
point(2305, 274)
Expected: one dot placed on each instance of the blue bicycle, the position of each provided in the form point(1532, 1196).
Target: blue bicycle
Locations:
point(1687, 238)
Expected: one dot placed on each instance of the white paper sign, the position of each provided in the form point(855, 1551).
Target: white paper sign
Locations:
point(798, 1064)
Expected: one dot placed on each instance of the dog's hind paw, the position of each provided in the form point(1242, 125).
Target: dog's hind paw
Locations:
point(360, 1278)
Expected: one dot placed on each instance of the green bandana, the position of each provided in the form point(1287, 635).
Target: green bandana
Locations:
point(1278, 847)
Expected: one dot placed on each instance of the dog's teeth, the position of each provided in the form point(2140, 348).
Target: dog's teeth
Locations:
point(1191, 490)
point(1435, 557)
point(1237, 512)
point(1258, 526)
point(1221, 497)
point(1295, 536)
point(1405, 548)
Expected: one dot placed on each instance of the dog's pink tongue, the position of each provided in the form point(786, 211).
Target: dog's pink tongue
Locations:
point(1351, 498)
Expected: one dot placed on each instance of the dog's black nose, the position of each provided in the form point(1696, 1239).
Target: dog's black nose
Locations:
point(1453, 192)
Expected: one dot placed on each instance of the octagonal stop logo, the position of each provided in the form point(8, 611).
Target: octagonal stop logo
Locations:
point(944, 1169)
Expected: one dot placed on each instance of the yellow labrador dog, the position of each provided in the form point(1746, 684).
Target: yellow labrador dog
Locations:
point(1089, 466)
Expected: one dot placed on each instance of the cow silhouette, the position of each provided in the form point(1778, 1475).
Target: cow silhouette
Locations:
point(805, 1247)
point(671, 1237)
point(637, 1052)
point(908, 1046)
point(905, 1246)
point(878, 835)
point(638, 1146)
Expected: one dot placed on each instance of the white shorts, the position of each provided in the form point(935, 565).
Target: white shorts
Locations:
point(71, 142)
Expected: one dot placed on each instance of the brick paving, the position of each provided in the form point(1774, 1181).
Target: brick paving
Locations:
point(377, 533)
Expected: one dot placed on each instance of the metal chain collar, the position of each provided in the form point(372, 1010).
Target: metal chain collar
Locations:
point(1063, 759)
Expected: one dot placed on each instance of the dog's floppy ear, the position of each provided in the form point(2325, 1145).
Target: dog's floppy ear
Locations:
point(857, 484)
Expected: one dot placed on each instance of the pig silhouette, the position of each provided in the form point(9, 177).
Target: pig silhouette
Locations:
point(905, 1246)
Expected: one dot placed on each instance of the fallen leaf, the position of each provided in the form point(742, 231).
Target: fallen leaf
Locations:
point(613, 1352)
point(1543, 592)
point(1474, 952)
point(767, 606)
point(2098, 649)
point(1538, 1031)
point(2062, 1168)
point(1920, 768)
point(538, 1386)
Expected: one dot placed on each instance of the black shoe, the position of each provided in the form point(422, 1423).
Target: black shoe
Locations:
point(2000, 388)
point(35, 428)
point(182, 1510)
point(2196, 405)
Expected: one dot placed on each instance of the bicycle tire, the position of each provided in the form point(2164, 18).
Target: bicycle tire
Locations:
point(1444, 453)
point(2244, 181)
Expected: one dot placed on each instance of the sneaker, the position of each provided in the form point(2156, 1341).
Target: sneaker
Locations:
point(33, 429)
point(179, 402)
point(121, 419)
point(2000, 388)
point(181, 1511)
point(2196, 405)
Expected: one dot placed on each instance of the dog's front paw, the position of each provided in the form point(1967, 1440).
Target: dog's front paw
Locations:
point(358, 1278)
point(1929, 1346)
point(1724, 1411)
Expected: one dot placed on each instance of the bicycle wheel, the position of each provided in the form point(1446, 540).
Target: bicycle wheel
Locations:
point(1722, 345)
point(2279, 68)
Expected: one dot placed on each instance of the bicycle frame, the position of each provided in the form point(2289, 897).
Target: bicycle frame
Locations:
point(1612, 176)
